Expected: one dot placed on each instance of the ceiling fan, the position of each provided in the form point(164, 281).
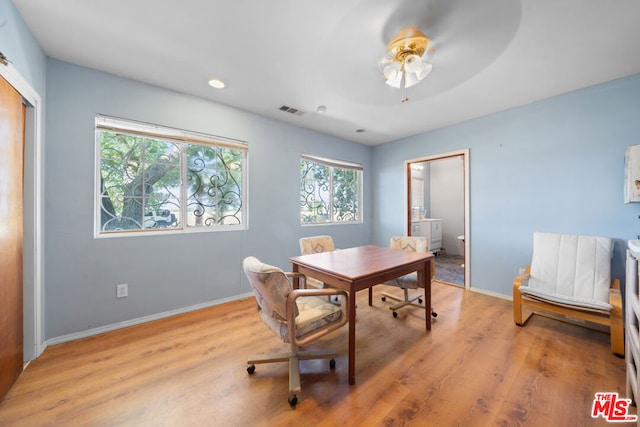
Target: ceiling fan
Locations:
point(405, 63)
point(460, 38)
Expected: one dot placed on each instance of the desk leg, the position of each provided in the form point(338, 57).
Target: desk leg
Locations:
point(425, 278)
point(352, 337)
point(295, 280)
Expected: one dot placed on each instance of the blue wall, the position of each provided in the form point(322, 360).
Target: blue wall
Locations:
point(556, 165)
point(21, 48)
point(166, 272)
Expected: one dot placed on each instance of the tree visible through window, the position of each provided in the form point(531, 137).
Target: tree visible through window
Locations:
point(154, 178)
point(330, 191)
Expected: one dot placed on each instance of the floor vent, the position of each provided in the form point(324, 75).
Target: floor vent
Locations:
point(291, 110)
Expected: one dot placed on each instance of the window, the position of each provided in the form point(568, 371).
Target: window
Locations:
point(151, 179)
point(330, 191)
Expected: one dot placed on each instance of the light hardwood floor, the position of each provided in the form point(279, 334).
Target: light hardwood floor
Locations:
point(475, 368)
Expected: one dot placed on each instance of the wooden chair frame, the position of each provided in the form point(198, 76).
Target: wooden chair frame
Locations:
point(611, 319)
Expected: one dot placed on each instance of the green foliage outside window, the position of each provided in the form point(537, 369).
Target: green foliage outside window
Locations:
point(141, 184)
point(328, 193)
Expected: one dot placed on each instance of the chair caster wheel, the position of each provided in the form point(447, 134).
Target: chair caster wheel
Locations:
point(383, 298)
point(293, 400)
point(395, 314)
point(251, 369)
point(419, 300)
point(332, 364)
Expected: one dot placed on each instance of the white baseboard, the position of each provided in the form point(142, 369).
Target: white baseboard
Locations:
point(492, 294)
point(112, 327)
point(132, 322)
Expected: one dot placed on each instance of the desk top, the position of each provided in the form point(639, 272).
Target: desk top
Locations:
point(361, 261)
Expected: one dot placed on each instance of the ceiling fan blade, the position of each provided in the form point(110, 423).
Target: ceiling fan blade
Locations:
point(429, 16)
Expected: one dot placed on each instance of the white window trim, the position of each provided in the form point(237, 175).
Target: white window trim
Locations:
point(342, 165)
point(108, 123)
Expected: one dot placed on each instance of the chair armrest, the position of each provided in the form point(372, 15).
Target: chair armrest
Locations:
point(522, 277)
point(291, 316)
point(616, 318)
point(615, 284)
point(615, 296)
point(317, 292)
point(298, 276)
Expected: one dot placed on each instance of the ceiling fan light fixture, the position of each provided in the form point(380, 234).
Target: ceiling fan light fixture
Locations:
point(424, 71)
point(392, 70)
point(412, 63)
point(410, 79)
point(404, 64)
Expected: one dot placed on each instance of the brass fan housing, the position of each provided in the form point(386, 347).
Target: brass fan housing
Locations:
point(409, 41)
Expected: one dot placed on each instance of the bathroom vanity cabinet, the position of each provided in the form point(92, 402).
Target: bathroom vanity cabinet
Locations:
point(431, 228)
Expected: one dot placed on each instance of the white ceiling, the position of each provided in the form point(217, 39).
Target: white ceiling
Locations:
point(490, 55)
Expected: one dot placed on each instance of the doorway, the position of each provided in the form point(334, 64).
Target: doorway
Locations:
point(438, 208)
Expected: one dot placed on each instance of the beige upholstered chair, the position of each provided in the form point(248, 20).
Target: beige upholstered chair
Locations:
point(570, 275)
point(408, 281)
point(296, 316)
point(314, 245)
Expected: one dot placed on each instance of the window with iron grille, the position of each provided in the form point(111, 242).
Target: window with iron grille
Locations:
point(330, 191)
point(159, 179)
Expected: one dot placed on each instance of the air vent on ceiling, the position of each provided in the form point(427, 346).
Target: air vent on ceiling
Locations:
point(291, 110)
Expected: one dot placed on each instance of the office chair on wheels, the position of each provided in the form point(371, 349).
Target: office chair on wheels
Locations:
point(408, 281)
point(296, 316)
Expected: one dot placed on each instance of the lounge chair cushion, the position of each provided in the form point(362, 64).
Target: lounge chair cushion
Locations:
point(571, 269)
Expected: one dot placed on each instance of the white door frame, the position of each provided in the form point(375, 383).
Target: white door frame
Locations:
point(467, 234)
point(34, 343)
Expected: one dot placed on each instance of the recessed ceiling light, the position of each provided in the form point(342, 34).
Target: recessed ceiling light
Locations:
point(321, 109)
point(217, 83)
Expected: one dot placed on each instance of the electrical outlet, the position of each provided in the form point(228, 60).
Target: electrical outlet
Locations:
point(122, 291)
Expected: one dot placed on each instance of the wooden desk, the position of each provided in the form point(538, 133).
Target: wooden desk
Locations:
point(361, 268)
